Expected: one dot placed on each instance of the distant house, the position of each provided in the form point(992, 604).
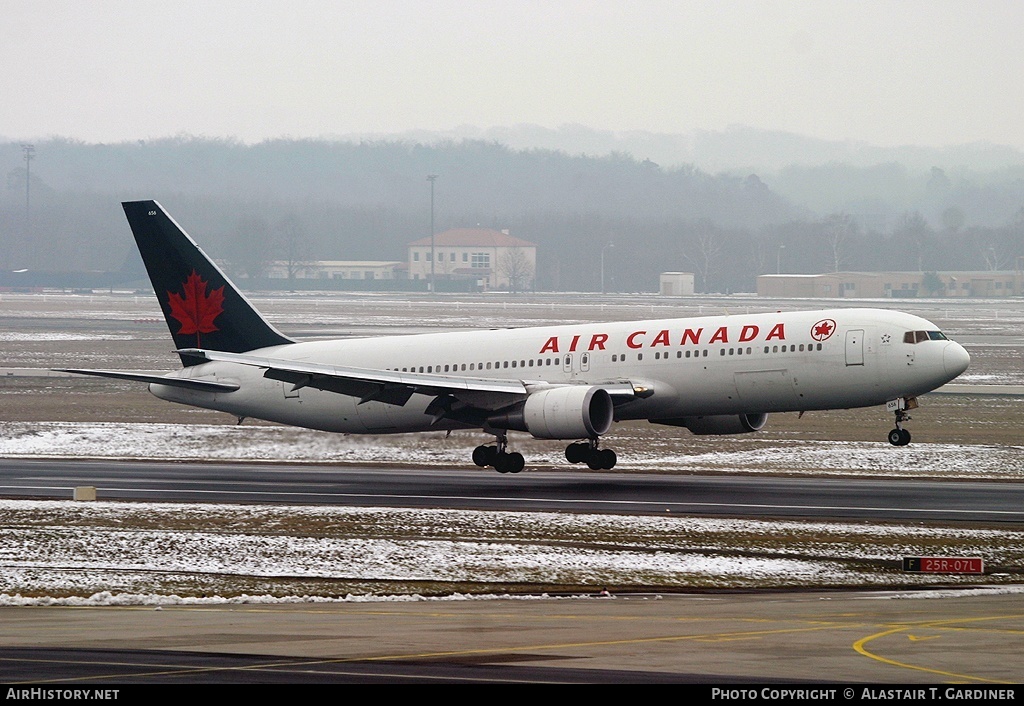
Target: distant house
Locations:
point(895, 285)
point(492, 258)
point(338, 269)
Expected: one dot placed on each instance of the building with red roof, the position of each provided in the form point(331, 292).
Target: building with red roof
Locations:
point(493, 258)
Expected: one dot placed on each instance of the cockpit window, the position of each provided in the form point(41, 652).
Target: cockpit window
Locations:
point(918, 336)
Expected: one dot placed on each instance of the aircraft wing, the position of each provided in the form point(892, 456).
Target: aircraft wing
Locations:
point(390, 386)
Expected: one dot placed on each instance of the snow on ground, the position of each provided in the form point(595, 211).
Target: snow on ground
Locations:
point(63, 549)
point(54, 336)
point(249, 442)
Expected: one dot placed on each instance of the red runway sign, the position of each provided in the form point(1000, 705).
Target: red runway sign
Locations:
point(944, 564)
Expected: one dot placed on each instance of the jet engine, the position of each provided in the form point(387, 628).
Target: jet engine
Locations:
point(719, 424)
point(569, 412)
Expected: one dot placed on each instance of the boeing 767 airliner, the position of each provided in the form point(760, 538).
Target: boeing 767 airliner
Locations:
point(711, 375)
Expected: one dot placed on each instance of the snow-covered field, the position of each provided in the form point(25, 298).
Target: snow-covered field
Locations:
point(103, 552)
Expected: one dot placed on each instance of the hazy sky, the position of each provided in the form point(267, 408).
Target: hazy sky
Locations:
point(930, 72)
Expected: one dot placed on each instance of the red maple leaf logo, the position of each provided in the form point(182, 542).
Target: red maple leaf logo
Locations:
point(196, 310)
point(823, 329)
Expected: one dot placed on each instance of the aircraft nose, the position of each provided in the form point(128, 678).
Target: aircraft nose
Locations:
point(955, 359)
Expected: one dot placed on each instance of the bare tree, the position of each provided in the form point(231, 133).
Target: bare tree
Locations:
point(249, 248)
point(913, 228)
point(514, 265)
point(839, 228)
point(294, 246)
point(994, 258)
point(703, 251)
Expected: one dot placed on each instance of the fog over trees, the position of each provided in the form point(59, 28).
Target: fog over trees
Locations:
point(303, 200)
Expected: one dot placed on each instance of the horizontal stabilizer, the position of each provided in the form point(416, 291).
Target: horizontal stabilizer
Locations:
point(186, 383)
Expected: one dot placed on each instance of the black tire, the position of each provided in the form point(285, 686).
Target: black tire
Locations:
point(516, 462)
point(577, 452)
point(502, 463)
point(896, 437)
point(904, 437)
point(608, 459)
point(482, 455)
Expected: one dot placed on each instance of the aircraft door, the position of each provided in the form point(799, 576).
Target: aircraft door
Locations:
point(584, 362)
point(855, 347)
point(567, 363)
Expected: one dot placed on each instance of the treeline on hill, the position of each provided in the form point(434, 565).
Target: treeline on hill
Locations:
point(319, 200)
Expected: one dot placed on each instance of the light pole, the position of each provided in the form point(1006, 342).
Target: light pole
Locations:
point(30, 154)
point(432, 178)
point(609, 245)
point(778, 258)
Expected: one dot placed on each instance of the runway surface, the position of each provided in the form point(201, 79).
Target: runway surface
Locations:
point(566, 491)
point(964, 638)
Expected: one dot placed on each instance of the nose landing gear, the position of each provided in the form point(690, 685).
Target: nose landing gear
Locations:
point(900, 436)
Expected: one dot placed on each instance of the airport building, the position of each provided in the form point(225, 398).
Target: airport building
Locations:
point(895, 285)
point(338, 269)
point(675, 284)
point(492, 259)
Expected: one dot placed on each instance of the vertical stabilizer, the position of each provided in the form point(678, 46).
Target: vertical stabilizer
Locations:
point(202, 307)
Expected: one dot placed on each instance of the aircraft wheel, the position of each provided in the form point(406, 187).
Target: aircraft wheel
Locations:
point(516, 462)
point(501, 463)
point(483, 456)
point(896, 437)
point(904, 437)
point(602, 460)
point(577, 452)
point(608, 459)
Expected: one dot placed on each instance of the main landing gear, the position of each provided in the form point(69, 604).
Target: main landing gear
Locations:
point(588, 453)
point(498, 457)
point(900, 436)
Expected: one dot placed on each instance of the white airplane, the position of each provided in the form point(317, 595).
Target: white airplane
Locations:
point(711, 375)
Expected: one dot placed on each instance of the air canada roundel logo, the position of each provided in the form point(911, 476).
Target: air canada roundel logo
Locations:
point(195, 309)
point(823, 330)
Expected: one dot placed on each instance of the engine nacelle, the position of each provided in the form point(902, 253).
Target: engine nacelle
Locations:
point(570, 412)
point(719, 424)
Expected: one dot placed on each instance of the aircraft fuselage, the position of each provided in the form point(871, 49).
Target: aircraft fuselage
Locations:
point(714, 365)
